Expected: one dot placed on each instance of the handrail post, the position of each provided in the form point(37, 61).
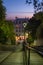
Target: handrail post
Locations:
point(29, 55)
point(24, 54)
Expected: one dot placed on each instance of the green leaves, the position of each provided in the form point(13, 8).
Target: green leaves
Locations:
point(8, 30)
point(29, 40)
point(3, 37)
point(2, 11)
point(6, 27)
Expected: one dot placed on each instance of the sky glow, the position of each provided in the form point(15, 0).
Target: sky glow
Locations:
point(18, 8)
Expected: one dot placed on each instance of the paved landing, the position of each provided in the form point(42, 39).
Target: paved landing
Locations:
point(16, 58)
point(35, 59)
point(3, 55)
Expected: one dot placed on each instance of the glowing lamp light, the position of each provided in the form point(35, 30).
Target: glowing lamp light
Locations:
point(24, 24)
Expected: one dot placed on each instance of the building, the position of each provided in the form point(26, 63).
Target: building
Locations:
point(18, 25)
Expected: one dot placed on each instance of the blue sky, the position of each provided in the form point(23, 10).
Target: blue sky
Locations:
point(17, 8)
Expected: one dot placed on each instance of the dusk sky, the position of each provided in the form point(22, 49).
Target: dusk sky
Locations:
point(17, 8)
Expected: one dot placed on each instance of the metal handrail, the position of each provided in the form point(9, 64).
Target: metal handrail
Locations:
point(27, 59)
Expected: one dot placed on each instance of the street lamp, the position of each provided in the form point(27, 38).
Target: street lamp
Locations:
point(24, 25)
point(29, 40)
point(24, 48)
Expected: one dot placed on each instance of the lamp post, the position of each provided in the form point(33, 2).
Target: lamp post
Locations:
point(29, 50)
point(24, 48)
point(24, 25)
point(29, 40)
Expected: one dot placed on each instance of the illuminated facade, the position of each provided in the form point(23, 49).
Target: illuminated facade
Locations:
point(19, 29)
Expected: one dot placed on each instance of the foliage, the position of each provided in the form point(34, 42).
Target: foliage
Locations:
point(3, 37)
point(32, 26)
point(8, 29)
point(38, 5)
point(38, 16)
point(2, 11)
point(39, 32)
point(36, 25)
point(30, 39)
point(13, 40)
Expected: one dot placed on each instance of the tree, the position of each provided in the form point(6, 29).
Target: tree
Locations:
point(32, 26)
point(2, 11)
point(36, 26)
point(3, 37)
point(38, 16)
point(8, 29)
point(29, 39)
point(38, 5)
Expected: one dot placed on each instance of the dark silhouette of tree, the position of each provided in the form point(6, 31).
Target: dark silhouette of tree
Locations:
point(32, 26)
point(38, 5)
point(38, 16)
point(2, 11)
